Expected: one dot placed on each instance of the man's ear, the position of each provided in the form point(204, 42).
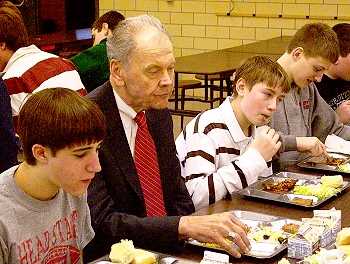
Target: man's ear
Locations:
point(116, 70)
point(105, 29)
point(337, 62)
point(297, 53)
point(40, 153)
point(240, 86)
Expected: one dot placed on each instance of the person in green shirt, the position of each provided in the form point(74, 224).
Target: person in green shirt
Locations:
point(92, 63)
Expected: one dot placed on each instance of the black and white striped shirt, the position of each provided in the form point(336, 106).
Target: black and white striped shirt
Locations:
point(215, 156)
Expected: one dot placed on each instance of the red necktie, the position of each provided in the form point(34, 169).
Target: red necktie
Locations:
point(147, 168)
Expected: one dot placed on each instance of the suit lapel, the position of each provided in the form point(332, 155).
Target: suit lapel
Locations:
point(117, 141)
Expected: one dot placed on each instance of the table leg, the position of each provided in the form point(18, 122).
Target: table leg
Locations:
point(176, 87)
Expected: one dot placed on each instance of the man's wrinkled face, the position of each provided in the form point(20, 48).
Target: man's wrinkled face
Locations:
point(148, 77)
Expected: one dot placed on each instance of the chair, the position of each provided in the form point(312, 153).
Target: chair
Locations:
point(184, 85)
point(211, 87)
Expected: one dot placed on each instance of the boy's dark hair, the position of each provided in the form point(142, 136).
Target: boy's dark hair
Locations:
point(57, 118)
point(317, 40)
point(112, 18)
point(262, 69)
point(343, 33)
point(12, 29)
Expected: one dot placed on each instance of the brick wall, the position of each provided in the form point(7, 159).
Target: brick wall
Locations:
point(201, 25)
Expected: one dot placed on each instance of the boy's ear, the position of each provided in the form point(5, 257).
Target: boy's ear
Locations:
point(240, 86)
point(2, 45)
point(116, 70)
point(297, 53)
point(40, 153)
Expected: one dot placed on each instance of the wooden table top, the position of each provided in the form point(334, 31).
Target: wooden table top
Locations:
point(214, 62)
point(227, 60)
point(276, 46)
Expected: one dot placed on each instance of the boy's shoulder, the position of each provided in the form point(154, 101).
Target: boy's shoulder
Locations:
point(219, 117)
point(6, 179)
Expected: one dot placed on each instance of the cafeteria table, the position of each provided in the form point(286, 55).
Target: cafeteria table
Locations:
point(223, 63)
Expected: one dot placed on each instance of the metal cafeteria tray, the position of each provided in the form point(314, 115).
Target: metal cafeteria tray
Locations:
point(259, 250)
point(311, 163)
point(256, 190)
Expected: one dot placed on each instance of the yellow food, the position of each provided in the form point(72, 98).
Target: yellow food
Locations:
point(335, 181)
point(345, 249)
point(125, 253)
point(122, 252)
point(143, 257)
point(343, 237)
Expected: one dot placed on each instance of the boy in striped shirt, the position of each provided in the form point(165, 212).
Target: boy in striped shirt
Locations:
point(221, 150)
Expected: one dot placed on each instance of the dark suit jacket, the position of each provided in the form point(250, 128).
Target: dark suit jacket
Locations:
point(115, 196)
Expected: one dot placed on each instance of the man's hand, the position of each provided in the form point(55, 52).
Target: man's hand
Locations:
point(216, 229)
point(343, 112)
point(311, 145)
point(266, 142)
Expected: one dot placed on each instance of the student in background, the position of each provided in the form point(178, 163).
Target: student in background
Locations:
point(8, 142)
point(27, 69)
point(304, 119)
point(221, 150)
point(92, 64)
point(335, 84)
point(44, 214)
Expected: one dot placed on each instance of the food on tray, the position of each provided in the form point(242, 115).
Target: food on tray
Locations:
point(290, 228)
point(343, 241)
point(335, 181)
point(345, 249)
point(144, 257)
point(328, 160)
point(344, 167)
point(332, 161)
point(343, 237)
point(125, 253)
point(283, 261)
point(266, 237)
point(122, 252)
point(326, 256)
point(321, 191)
point(302, 201)
point(267, 234)
point(280, 187)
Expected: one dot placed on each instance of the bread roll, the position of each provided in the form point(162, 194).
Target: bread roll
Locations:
point(335, 181)
point(343, 237)
point(122, 252)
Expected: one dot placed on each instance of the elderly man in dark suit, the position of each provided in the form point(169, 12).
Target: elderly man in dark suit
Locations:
point(139, 194)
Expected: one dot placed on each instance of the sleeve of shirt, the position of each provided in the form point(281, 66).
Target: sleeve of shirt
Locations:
point(288, 142)
point(4, 253)
point(325, 120)
point(206, 181)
